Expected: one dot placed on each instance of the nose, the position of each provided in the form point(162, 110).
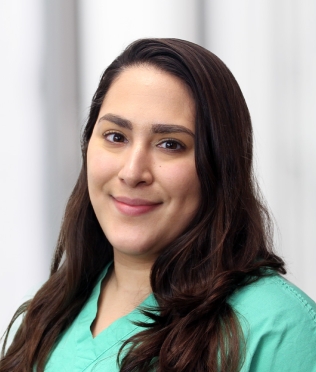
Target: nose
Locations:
point(136, 168)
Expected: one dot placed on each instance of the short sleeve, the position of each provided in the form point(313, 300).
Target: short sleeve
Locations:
point(279, 326)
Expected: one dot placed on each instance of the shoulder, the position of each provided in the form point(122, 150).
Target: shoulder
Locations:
point(278, 321)
point(271, 296)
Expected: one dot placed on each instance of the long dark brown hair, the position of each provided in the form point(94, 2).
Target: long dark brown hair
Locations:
point(227, 245)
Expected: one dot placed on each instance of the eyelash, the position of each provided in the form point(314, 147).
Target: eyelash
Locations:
point(180, 146)
point(107, 134)
point(176, 142)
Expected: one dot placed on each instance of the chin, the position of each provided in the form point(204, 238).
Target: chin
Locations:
point(135, 250)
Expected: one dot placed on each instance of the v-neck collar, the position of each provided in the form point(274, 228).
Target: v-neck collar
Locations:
point(90, 348)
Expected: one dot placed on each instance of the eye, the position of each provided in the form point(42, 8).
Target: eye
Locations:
point(114, 137)
point(171, 145)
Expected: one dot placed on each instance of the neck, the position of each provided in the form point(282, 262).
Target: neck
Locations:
point(131, 275)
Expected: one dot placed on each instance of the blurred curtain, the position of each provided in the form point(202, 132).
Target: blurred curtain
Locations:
point(40, 139)
point(270, 46)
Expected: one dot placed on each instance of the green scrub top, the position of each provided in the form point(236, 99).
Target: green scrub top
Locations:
point(77, 350)
point(278, 322)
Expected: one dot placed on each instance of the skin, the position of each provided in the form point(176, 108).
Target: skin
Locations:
point(142, 179)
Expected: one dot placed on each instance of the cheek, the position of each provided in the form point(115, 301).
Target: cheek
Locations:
point(99, 168)
point(183, 184)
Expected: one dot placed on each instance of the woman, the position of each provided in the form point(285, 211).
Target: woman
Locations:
point(164, 260)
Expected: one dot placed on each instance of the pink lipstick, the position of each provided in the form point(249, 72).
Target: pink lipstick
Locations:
point(134, 207)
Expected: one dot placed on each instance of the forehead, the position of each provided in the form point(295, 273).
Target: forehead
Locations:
point(148, 92)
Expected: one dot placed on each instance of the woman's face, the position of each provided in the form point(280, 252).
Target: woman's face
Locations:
point(142, 177)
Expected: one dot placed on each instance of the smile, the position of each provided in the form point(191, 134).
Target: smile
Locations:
point(134, 207)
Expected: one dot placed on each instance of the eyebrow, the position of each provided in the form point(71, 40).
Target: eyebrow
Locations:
point(123, 123)
point(156, 128)
point(171, 128)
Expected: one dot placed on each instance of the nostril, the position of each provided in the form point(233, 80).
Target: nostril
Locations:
point(136, 169)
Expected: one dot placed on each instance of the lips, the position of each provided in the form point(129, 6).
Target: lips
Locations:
point(134, 207)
